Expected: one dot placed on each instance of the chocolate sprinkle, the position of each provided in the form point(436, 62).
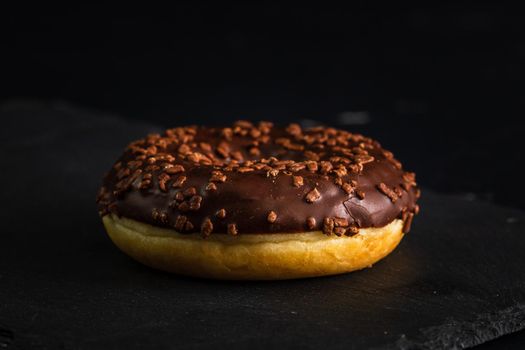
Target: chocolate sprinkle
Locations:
point(221, 213)
point(232, 229)
point(328, 226)
point(217, 176)
point(188, 226)
point(340, 222)
point(190, 191)
point(211, 187)
point(297, 181)
point(339, 231)
point(348, 188)
point(408, 222)
point(179, 223)
point(179, 182)
point(195, 202)
point(310, 222)
point(179, 196)
point(206, 227)
point(360, 194)
point(174, 169)
point(313, 196)
point(272, 216)
point(352, 230)
point(388, 192)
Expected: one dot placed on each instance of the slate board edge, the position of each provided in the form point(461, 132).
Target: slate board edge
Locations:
point(484, 328)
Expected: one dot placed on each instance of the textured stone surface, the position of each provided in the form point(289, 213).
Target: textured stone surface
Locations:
point(457, 280)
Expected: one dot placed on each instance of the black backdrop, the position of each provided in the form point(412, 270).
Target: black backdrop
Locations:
point(446, 80)
point(442, 87)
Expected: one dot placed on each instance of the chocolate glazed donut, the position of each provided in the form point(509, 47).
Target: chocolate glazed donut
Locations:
point(257, 180)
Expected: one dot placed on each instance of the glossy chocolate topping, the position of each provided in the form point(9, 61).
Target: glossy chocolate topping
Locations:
point(259, 179)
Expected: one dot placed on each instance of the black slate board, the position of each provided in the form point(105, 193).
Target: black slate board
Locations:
point(457, 280)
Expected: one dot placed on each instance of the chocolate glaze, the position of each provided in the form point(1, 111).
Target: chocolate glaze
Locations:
point(248, 197)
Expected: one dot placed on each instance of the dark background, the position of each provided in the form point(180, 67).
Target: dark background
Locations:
point(442, 87)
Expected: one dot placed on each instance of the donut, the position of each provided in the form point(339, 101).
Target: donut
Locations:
point(257, 202)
